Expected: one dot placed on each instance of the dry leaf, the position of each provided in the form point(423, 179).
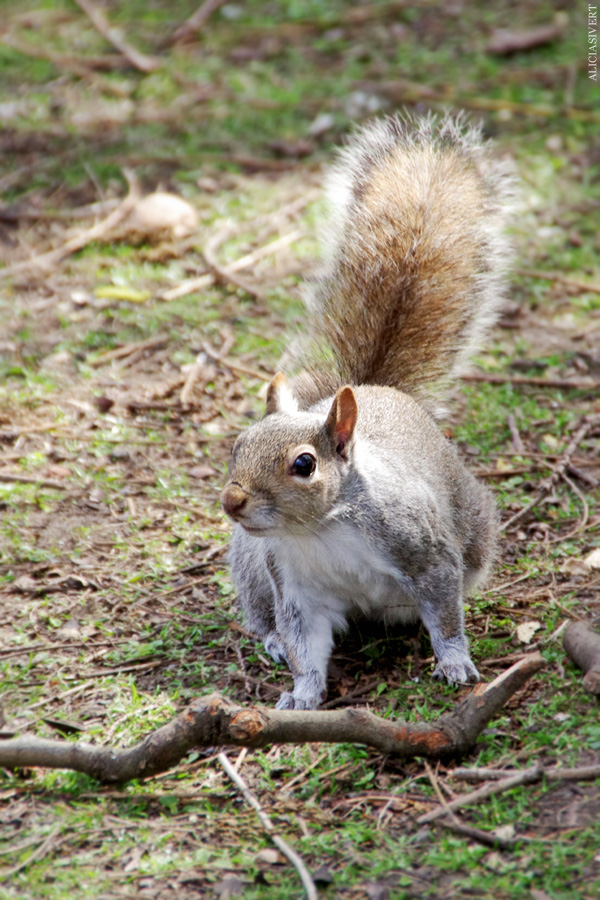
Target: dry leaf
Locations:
point(505, 832)
point(592, 560)
point(270, 856)
point(503, 41)
point(161, 212)
point(526, 631)
point(203, 471)
point(573, 566)
point(230, 886)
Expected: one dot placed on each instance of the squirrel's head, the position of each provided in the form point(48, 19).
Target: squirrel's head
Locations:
point(287, 470)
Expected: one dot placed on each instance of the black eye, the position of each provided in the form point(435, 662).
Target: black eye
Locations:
point(304, 465)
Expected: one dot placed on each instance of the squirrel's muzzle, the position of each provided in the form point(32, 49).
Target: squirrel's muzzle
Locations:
point(233, 501)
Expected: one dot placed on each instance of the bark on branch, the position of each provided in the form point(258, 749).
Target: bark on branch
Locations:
point(582, 645)
point(215, 721)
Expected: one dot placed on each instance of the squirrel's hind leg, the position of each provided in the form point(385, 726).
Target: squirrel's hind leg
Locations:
point(440, 599)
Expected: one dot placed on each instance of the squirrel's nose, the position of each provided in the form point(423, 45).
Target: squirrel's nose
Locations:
point(233, 500)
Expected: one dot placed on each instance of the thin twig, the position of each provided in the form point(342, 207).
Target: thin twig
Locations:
point(41, 851)
point(585, 515)
point(235, 366)
point(517, 445)
point(137, 59)
point(558, 470)
point(127, 350)
point(453, 823)
point(225, 234)
point(9, 478)
point(63, 63)
point(561, 279)
point(411, 92)
point(526, 776)
point(565, 383)
point(267, 824)
point(197, 21)
point(584, 773)
point(45, 261)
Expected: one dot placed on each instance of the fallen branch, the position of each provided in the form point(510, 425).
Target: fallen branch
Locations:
point(556, 773)
point(215, 721)
point(582, 645)
point(45, 261)
point(137, 59)
point(558, 470)
point(267, 824)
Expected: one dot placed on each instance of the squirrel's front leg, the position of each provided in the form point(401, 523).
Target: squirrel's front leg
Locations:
point(307, 636)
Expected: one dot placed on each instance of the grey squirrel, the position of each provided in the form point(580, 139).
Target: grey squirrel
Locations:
point(347, 498)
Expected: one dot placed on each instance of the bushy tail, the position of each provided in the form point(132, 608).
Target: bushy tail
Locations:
point(415, 256)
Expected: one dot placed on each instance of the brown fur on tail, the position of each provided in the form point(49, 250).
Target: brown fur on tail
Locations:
point(416, 253)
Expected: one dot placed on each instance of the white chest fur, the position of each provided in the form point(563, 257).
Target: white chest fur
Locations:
point(337, 572)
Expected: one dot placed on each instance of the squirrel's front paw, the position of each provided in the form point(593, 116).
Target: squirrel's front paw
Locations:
point(308, 693)
point(456, 671)
point(288, 701)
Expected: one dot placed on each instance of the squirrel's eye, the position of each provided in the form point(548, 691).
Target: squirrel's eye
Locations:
point(304, 465)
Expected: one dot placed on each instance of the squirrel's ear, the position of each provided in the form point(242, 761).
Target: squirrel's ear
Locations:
point(280, 397)
point(341, 420)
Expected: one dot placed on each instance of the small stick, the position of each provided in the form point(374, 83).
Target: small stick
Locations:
point(585, 515)
point(9, 478)
point(197, 21)
point(267, 824)
point(41, 851)
point(234, 366)
point(454, 824)
point(137, 59)
point(584, 773)
point(527, 776)
point(302, 775)
point(206, 279)
point(127, 350)
point(561, 279)
point(517, 445)
point(567, 383)
point(558, 470)
point(45, 261)
point(410, 92)
point(62, 63)
point(192, 377)
point(575, 472)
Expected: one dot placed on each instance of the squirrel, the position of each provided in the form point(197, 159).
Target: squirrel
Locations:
point(347, 498)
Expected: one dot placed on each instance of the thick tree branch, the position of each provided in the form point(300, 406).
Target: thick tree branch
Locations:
point(582, 645)
point(215, 721)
